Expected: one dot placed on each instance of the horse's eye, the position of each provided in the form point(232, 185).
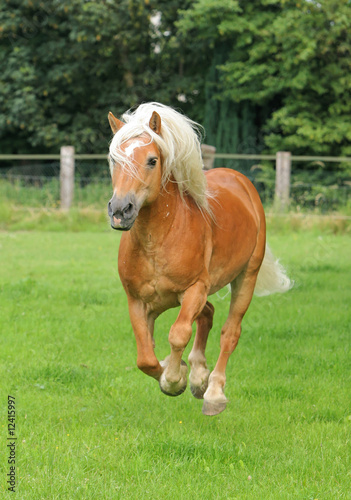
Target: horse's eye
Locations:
point(151, 162)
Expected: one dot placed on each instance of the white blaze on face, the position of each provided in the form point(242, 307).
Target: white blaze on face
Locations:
point(129, 151)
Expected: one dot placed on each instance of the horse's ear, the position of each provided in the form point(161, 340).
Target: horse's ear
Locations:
point(155, 122)
point(115, 124)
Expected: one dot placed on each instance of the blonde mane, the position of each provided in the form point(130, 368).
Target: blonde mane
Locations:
point(179, 143)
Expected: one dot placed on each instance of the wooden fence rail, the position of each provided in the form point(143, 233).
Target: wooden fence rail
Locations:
point(283, 161)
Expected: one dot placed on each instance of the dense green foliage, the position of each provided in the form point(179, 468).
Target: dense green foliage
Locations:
point(259, 76)
point(66, 64)
point(289, 59)
point(90, 425)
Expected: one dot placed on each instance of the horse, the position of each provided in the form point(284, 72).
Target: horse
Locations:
point(186, 235)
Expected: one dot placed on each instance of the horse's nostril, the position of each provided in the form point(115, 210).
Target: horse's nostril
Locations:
point(121, 208)
point(128, 209)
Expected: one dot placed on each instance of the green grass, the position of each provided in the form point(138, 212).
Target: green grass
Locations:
point(28, 207)
point(25, 206)
point(90, 425)
point(46, 192)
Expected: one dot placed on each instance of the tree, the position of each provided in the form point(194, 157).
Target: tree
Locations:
point(66, 64)
point(289, 60)
point(259, 75)
point(230, 126)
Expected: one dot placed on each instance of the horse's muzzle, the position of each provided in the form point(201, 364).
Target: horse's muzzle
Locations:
point(122, 212)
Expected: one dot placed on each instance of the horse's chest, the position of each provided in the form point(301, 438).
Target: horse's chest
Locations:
point(146, 278)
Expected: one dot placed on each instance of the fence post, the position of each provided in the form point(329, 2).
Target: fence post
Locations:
point(66, 176)
point(282, 180)
point(208, 158)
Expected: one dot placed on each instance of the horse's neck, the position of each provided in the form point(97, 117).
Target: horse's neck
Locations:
point(155, 220)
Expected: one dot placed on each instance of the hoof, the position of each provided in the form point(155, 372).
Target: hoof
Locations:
point(173, 394)
point(198, 392)
point(199, 388)
point(174, 389)
point(212, 409)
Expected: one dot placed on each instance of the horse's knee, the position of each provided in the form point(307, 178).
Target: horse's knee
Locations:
point(180, 335)
point(148, 366)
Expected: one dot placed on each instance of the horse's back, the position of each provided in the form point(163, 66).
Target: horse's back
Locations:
point(238, 222)
point(228, 183)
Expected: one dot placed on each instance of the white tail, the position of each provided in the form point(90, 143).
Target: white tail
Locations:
point(272, 276)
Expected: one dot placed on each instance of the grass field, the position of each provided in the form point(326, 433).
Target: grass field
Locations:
point(89, 425)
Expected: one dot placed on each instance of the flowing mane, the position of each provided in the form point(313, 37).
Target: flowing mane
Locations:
point(178, 142)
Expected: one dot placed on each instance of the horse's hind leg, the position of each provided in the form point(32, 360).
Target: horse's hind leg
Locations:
point(242, 291)
point(199, 372)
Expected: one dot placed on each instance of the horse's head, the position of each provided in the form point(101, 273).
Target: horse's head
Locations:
point(136, 174)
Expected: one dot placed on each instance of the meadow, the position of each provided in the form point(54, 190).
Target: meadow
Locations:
point(90, 425)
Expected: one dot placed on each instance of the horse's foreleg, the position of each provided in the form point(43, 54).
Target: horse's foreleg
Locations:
point(242, 291)
point(174, 378)
point(199, 372)
point(143, 327)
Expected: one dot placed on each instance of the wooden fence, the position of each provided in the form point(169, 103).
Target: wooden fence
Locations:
point(283, 160)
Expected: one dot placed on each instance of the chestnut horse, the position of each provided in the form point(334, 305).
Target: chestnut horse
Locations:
point(186, 235)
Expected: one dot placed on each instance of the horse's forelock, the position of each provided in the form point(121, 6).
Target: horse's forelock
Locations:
point(179, 143)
